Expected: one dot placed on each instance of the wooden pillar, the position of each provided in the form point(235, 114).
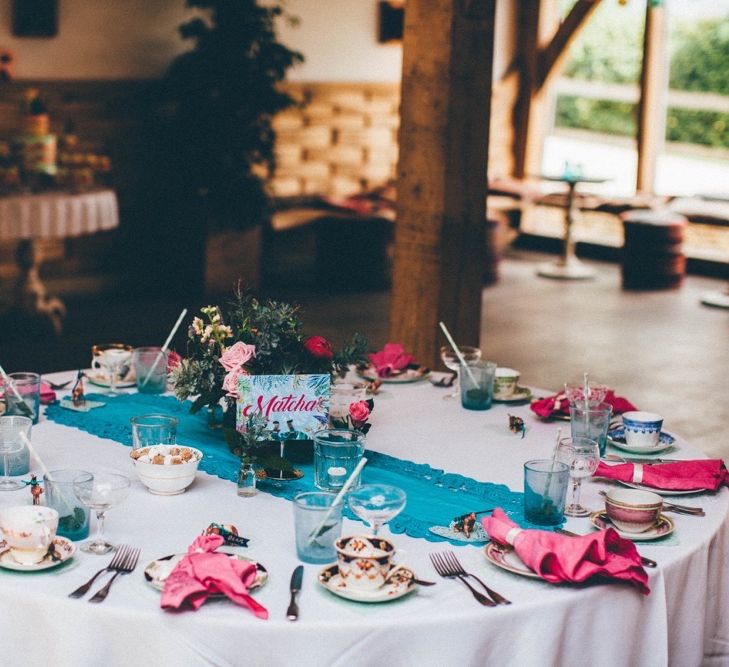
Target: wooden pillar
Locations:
point(441, 203)
point(653, 93)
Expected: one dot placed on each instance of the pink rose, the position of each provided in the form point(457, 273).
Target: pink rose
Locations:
point(230, 382)
point(319, 347)
point(237, 355)
point(173, 360)
point(359, 412)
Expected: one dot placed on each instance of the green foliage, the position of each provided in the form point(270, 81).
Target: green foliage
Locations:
point(596, 115)
point(221, 97)
point(698, 127)
point(700, 58)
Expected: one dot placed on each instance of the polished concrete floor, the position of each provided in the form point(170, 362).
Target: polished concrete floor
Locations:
point(662, 350)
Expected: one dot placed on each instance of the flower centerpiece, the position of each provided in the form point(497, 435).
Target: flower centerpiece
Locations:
point(253, 337)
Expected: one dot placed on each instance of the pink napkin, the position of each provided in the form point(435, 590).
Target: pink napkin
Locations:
point(559, 405)
point(203, 572)
point(47, 395)
point(680, 476)
point(558, 558)
point(390, 359)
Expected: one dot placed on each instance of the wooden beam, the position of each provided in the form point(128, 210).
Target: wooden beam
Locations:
point(653, 95)
point(442, 173)
point(553, 54)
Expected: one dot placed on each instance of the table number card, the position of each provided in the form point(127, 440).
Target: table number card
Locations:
point(292, 404)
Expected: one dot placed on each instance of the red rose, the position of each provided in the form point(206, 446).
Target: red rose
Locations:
point(319, 347)
point(173, 360)
point(359, 412)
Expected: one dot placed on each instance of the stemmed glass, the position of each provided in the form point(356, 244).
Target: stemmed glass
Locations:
point(575, 392)
point(11, 443)
point(99, 493)
point(451, 362)
point(376, 504)
point(112, 356)
point(582, 456)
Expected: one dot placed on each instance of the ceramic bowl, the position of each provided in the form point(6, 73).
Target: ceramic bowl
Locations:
point(167, 479)
point(632, 510)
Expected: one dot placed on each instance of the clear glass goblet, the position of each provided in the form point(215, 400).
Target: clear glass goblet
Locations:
point(99, 493)
point(11, 442)
point(112, 356)
point(376, 504)
point(575, 392)
point(451, 362)
point(582, 455)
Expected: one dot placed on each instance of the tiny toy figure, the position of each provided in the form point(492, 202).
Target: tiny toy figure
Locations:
point(77, 393)
point(36, 489)
point(228, 532)
point(464, 524)
point(516, 425)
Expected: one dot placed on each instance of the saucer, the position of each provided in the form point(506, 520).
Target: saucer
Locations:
point(401, 583)
point(616, 437)
point(64, 550)
point(157, 571)
point(410, 374)
point(101, 379)
point(664, 526)
point(506, 558)
point(521, 394)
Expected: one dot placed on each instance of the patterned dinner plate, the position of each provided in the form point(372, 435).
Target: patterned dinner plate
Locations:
point(156, 573)
point(662, 492)
point(663, 527)
point(400, 583)
point(410, 374)
point(63, 550)
point(101, 379)
point(506, 558)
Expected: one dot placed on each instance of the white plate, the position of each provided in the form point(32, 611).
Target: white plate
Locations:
point(663, 528)
point(156, 573)
point(663, 492)
point(521, 394)
point(101, 379)
point(616, 439)
point(408, 375)
point(507, 559)
point(64, 548)
point(401, 583)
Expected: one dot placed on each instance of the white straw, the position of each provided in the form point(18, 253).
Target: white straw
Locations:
point(548, 485)
point(338, 499)
point(458, 352)
point(23, 405)
point(165, 346)
point(586, 395)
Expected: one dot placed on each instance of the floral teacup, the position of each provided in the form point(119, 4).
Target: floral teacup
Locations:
point(364, 561)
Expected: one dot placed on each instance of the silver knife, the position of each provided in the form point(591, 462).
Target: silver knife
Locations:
point(292, 613)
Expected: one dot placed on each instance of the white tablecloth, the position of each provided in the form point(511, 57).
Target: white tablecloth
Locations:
point(684, 621)
point(57, 215)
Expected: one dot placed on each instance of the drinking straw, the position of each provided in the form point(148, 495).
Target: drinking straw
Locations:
point(22, 405)
point(458, 352)
point(586, 396)
point(345, 487)
point(551, 471)
point(46, 473)
point(165, 346)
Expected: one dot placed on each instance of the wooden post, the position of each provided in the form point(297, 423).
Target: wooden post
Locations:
point(441, 203)
point(653, 94)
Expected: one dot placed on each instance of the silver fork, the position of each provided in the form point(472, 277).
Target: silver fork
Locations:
point(115, 562)
point(128, 563)
point(456, 566)
point(442, 568)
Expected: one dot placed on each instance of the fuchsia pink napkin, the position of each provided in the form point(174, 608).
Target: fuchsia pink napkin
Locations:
point(47, 395)
point(559, 405)
point(557, 558)
point(680, 476)
point(203, 572)
point(390, 359)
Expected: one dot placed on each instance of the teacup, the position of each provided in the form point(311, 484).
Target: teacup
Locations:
point(506, 383)
point(642, 429)
point(29, 531)
point(632, 510)
point(365, 561)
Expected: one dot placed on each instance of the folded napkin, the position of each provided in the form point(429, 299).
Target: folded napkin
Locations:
point(558, 558)
point(559, 405)
point(203, 572)
point(390, 359)
point(680, 476)
point(47, 395)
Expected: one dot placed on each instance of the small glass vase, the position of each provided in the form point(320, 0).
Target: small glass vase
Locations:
point(246, 479)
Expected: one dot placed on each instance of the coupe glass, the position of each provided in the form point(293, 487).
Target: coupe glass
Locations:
point(11, 443)
point(376, 504)
point(451, 362)
point(582, 456)
point(112, 356)
point(99, 493)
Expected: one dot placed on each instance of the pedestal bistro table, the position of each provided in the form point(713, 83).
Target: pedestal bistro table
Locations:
point(684, 621)
point(568, 267)
point(50, 215)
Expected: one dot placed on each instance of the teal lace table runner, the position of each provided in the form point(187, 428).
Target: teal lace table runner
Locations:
point(434, 497)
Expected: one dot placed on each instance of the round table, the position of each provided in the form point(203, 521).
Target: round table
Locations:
point(682, 620)
point(50, 215)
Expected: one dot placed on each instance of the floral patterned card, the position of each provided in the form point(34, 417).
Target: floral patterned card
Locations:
point(295, 406)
